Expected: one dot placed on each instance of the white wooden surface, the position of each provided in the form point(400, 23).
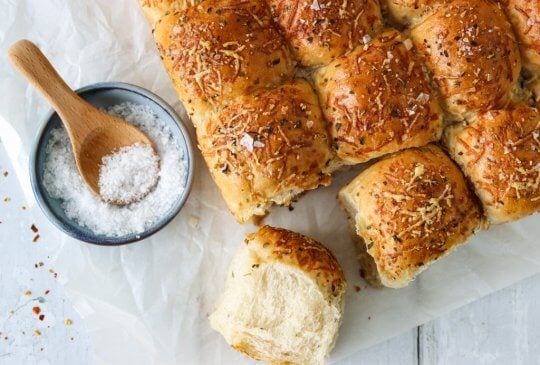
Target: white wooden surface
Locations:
point(503, 328)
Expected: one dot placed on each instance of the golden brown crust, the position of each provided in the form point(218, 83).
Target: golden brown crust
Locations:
point(378, 100)
point(525, 18)
point(500, 153)
point(321, 30)
point(271, 244)
point(408, 12)
point(219, 50)
point(156, 9)
point(411, 208)
point(470, 48)
point(267, 147)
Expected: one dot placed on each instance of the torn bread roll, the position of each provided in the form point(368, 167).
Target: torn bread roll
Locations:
point(267, 148)
point(283, 300)
point(500, 153)
point(378, 100)
point(407, 211)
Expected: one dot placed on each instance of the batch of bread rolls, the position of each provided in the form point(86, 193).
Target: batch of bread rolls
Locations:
point(283, 93)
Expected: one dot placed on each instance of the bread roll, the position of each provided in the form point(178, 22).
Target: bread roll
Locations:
point(500, 153)
point(407, 12)
point(378, 100)
point(406, 211)
point(321, 30)
point(267, 148)
point(219, 50)
point(471, 50)
point(525, 17)
point(283, 300)
point(156, 9)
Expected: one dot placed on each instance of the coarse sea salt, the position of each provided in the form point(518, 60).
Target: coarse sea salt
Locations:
point(128, 174)
point(63, 181)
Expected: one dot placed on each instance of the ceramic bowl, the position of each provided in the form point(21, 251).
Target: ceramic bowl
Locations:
point(103, 95)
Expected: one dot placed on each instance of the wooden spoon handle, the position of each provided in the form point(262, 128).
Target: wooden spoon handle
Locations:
point(36, 68)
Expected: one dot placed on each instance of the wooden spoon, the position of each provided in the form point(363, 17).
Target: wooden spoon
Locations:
point(93, 133)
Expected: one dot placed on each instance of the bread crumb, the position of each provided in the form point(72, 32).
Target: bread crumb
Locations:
point(193, 221)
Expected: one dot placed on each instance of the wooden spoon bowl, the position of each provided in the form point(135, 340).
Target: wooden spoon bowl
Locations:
point(94, 134)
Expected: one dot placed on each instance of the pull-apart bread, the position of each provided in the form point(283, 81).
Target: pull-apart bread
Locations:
point(219, 50)
point(283, 300)
point(267, 148)
point(406, 211)
point(472, 53)
point(500, 153)
point(320, 31)
point(378, 100)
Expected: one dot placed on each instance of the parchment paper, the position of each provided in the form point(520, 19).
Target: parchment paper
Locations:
point(148, 302)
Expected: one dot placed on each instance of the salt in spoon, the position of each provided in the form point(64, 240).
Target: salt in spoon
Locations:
point(93, 133)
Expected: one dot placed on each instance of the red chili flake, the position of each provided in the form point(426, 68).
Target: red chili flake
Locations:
point(47, 292)
point(36, 237)
point(36, 310)
point(357, 288)
point(34, 228)
point(41, 317)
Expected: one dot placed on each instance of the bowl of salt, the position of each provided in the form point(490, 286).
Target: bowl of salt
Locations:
point(75, 209)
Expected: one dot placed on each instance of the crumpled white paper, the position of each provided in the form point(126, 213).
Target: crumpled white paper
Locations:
point(148, 302)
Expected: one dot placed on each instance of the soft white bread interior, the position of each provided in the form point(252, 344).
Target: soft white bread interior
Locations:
point(283, 300)
point(407, 211)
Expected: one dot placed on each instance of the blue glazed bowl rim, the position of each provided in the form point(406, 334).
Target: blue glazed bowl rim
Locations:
point(60, 222)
